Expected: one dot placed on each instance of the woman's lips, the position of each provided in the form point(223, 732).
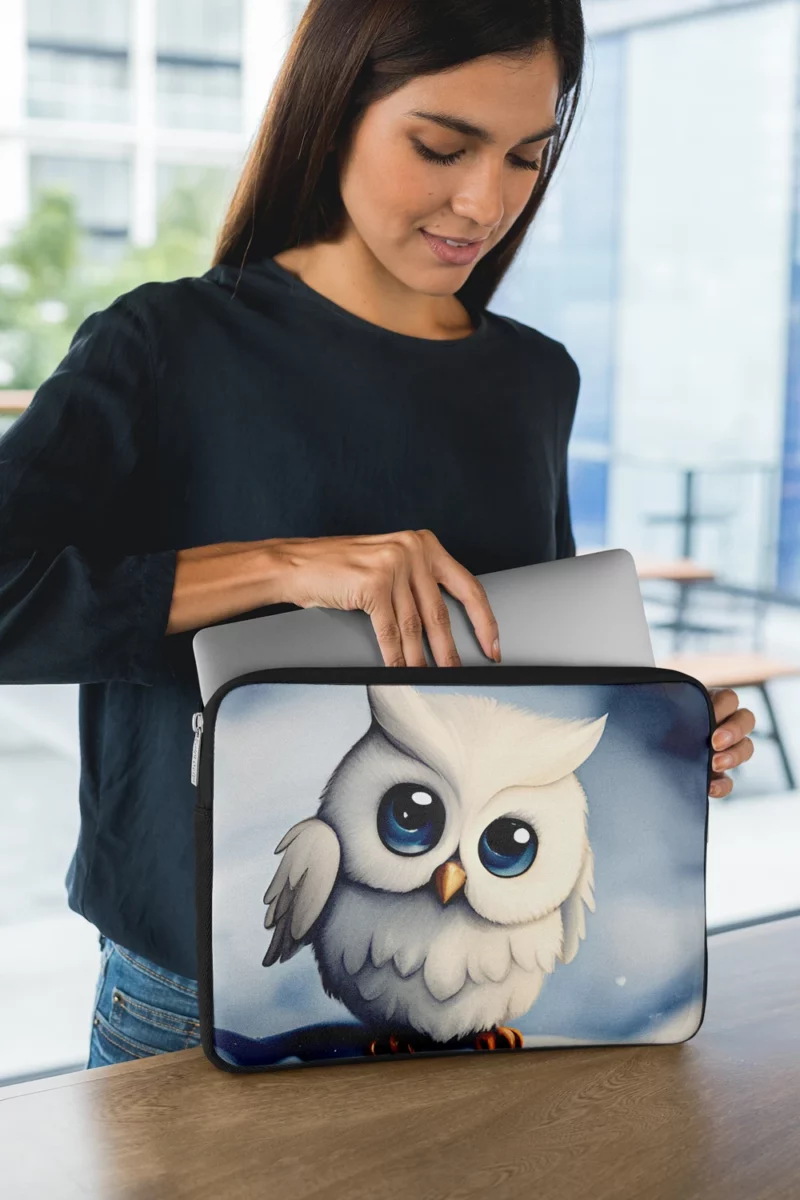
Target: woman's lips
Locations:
point(457, 256)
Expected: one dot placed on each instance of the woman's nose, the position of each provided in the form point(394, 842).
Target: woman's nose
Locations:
point(481, 200)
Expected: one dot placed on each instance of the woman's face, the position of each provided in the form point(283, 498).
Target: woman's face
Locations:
point(393, 189)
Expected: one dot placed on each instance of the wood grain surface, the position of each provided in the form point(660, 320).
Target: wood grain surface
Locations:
point(716, 1118)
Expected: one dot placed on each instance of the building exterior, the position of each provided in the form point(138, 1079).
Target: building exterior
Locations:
point(121, 99)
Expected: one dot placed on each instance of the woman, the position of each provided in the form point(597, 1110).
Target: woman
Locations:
point(328, 417)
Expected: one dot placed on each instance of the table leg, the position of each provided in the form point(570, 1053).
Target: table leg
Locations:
point(776, 733)
point(680, 612)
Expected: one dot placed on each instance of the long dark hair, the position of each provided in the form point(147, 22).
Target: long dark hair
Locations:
point(345, 55)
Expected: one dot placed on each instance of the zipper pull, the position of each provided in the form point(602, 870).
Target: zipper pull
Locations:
point(197, 726)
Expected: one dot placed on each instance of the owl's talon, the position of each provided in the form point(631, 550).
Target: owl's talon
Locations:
point(489, 1038)
point(390, 1045)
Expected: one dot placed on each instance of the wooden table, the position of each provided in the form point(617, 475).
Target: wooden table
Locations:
point(743, 670)
point(685, 573)
point(675, 570)
point(714, 1119)
point(13, 403)
point(734, 669)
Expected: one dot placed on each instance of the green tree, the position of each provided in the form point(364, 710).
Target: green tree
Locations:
point(50, 281)
point(40, 293)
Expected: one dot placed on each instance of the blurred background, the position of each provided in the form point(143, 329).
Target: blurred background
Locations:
point(666, 257)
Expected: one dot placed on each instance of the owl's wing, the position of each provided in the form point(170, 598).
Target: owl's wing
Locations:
point(573, 915)
point(300, 887)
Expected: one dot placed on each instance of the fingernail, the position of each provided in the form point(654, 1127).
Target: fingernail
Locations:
point(723, 738)
point(714, 789)
point(722, 761)
point(496, 649)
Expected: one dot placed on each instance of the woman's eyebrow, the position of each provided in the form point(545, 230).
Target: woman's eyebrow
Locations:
point(476, 131)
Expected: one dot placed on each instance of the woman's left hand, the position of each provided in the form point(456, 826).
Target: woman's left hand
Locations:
point(729, 740)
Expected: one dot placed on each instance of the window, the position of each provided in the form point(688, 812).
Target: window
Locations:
point(101, 22)
point(78, 87)
point(78, 66)
point(100, 186)
point(198, 68)
point(194, 95)
point(205, 28)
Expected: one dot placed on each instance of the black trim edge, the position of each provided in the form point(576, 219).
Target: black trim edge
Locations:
point(204, 870)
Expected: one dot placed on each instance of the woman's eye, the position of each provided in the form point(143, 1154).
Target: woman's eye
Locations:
point(410, 819)
point(448, 159)
point(508, 846)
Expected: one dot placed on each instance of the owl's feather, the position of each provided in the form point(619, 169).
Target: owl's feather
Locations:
point(441, 970)
point(300, 887)
point(573, 912)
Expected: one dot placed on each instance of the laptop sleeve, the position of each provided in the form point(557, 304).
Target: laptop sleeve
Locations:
point(416, 861)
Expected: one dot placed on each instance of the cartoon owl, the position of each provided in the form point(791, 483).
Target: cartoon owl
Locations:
point(447, 868)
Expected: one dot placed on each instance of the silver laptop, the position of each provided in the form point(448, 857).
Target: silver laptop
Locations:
point(582, 611)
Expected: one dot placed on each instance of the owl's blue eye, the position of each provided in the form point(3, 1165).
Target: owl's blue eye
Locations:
point(410, 818)
point(508, 846)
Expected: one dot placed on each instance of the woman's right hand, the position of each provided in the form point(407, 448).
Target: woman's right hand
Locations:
point(395, 579)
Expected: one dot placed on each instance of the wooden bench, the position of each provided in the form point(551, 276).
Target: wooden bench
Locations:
point(741, 671)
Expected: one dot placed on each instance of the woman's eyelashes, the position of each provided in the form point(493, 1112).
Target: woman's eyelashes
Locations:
point(447, 160)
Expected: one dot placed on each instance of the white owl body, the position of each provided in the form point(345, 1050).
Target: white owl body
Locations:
point(405, 961)
point(448, 866)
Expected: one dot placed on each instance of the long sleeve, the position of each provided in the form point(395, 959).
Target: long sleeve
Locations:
point(81, 599)
point(565, 540)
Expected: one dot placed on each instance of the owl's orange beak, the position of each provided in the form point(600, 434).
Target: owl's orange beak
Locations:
point(449, 878)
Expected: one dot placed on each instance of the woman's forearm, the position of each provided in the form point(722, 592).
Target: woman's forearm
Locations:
point(224, 579)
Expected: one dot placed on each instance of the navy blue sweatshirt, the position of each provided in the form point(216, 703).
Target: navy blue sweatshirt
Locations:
point(183, 415)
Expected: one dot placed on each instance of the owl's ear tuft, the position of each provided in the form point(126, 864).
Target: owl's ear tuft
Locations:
point(415, 724)
point(397, 708)
point(576, 742)
point(381, 695)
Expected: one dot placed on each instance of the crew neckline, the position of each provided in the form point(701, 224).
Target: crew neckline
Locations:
point(305, 290)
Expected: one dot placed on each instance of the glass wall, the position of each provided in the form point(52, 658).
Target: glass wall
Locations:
point(566, 280)
point(788, 550)
point(662, 260)
point(704, 267)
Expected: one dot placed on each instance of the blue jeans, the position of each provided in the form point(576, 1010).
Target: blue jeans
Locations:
point(140, 1009)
